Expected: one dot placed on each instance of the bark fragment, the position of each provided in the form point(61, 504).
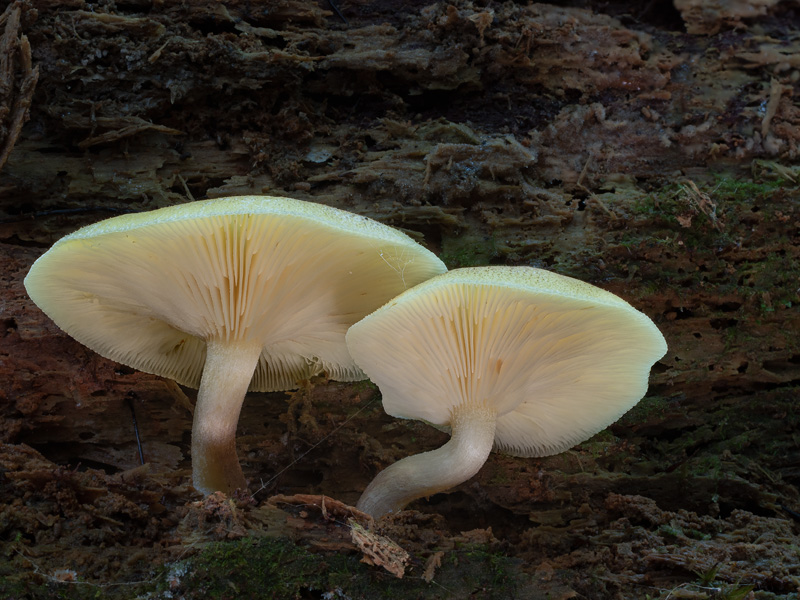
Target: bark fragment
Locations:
point(18, 78)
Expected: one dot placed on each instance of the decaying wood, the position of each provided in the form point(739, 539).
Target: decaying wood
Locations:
point(379, 550)
point(18, 79)
point(650, 150)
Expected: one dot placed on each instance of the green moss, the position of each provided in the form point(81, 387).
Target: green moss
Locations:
point(279, 568)
point(773, 281)
point(736, 592)
point(364, 385)
point(707, 577)
point(704, 220)
point(599, 444)
point(468, 250)
point(656, 203)
point(469, 572)
point(669, 531)
point(737, 190)
point(56, 590)
point(679, 234)
point(647, 409)
point(264, 568)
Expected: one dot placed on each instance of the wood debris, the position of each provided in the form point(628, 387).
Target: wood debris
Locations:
point(707, 17)
point(472, 128)
point(18, 79)
point(698, 202)
point(329, 508)
point(434, 562)
point(379, 550)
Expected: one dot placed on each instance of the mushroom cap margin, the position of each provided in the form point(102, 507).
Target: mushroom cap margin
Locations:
point(125, 286)
point(558, 358)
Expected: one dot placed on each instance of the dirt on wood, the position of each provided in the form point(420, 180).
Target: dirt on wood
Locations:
point(648, 148)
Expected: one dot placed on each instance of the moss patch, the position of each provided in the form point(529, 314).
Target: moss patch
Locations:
point(278, 568)
point(468, 250)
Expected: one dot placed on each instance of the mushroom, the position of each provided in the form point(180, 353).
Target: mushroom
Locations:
point(226, 295)
point(515, 359)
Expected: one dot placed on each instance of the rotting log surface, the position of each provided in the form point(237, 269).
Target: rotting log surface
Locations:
point(601, 141)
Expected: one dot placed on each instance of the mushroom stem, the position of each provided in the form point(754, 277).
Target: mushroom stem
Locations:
point(428, 473)
point(226, 376)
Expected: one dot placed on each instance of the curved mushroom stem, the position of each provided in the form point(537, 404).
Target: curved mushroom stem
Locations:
point(226, 376)
point(431, 472)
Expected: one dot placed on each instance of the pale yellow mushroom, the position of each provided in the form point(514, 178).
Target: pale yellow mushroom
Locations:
point(226, 295)
point(516, 359)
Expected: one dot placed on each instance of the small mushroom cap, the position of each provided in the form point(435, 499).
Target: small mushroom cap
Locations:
point(557, 358)
point(149, 289)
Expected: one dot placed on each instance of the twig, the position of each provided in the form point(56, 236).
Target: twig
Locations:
point(337, 11)
point(592, 195)
point(129, 402)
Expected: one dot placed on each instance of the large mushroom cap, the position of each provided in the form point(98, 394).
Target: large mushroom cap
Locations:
point(150, 289)
point(557, 358)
